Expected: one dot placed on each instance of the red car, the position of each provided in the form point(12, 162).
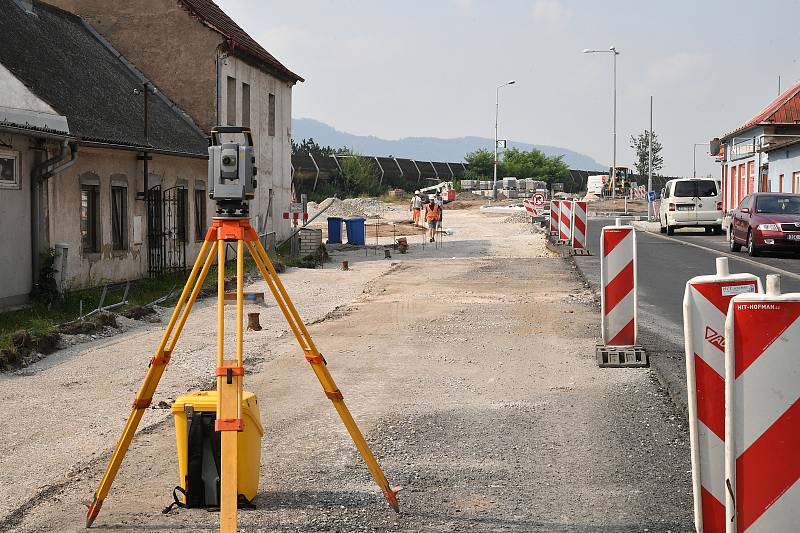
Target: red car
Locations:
point(766, 221)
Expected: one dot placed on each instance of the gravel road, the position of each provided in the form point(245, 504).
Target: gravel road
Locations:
point(470, 368)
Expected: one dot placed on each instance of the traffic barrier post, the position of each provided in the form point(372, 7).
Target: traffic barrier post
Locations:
point(579, 227)
point(618, 299)
point(705, 306)
point(565, 222)
point(762, 411)
point(554, 217)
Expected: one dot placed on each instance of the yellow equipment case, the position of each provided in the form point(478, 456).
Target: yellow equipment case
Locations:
point(198, 447)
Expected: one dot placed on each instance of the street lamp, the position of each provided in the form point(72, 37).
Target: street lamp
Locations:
point(694, 157)
point(614, 53)
point(496, 114)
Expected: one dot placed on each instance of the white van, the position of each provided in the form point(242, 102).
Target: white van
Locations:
point(691, 203)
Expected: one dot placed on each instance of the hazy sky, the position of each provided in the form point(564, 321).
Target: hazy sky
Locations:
point(430, 68)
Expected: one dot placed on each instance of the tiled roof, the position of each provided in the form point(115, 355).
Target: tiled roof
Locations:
point(238, 39)
point(58, 57)
point(785, 109)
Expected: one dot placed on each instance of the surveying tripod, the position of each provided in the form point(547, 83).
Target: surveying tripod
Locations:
point(230, 372)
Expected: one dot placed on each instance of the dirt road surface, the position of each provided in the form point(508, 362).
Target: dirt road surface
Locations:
point(470, 369)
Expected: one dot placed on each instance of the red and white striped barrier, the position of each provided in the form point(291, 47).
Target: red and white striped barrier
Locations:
point(618, 301)
point(554, 216)
point(762, 411)
point(579, 225)
point(705, 305)
point(531, 208)
point(565, 221)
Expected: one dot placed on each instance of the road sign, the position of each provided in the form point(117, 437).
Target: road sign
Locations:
point(578, 225)
point(565, 225)
point(651, 196)
point(618, 313)
point(295, 207)
point(762, 409)
point(555, 207)
point(705, 304)
point(538, 199)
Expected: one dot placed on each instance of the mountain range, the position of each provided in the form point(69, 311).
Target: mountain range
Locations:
point(423, 148)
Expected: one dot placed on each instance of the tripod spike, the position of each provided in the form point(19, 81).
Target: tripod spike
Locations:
point(94, 510)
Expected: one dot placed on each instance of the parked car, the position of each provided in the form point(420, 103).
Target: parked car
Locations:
point(690, 203)
point(766, 221)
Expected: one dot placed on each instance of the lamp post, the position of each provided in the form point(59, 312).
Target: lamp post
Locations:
point(496, 115)
point(614, 53)
point(694, 157)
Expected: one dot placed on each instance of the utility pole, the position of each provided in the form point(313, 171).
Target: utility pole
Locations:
point(650, 205)
point(496, 116)
point(613, 51)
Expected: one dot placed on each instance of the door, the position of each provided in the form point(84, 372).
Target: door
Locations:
point(706, 198)
point(166, 230)
point(684, 193)
point(740, 221)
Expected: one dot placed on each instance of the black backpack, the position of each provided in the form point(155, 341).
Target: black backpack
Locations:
point(203, 469)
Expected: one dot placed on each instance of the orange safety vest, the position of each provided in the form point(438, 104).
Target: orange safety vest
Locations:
point(432, 211)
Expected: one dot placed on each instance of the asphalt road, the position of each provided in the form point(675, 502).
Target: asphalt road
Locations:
point(665, 264)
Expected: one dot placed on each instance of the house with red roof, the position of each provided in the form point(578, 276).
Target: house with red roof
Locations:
point(762, 154)
point(217, 73)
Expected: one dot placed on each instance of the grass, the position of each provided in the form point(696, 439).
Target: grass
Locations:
point(392, 199)
point(40, 320)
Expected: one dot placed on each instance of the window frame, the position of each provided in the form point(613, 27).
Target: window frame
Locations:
point(271, 111)
point(92, 219)
point(200, 214)
point(16, 183)
point(245, 105)
point(230, 101)
point(182, 213)
point(121, 244)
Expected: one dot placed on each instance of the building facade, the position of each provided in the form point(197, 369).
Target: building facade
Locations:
point(217, 73)
point(108, 171)
point(758, 156)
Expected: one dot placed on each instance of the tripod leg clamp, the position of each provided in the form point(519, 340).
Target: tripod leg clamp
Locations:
point(316, 359)
point(229, 424)
point(229, 372)
point(161, 359)
point(142, 403)
point(334, 395)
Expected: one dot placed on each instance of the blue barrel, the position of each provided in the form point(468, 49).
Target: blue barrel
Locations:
point(355, 230)
point(335, 230)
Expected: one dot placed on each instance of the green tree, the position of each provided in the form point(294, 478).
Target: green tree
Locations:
point(481, 164)
point(535, 164)
point(311, 147)
point(358, 175)
point(640, 144)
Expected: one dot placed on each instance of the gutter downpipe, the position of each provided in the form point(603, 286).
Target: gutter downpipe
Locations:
point(39, 175)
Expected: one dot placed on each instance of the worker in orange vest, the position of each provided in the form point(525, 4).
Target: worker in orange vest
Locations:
point(433, 214)
point(415, 207)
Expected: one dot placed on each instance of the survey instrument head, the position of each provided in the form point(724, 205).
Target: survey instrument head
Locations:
point(231, 172)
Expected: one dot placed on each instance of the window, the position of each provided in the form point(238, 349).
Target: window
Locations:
point(784, 205)
point(231, 95)
point(182, 214)
point(246, 105)
point(199, 214)
point(90, 218)
point(742, 182)
point(271, 117)
point(795, 181)
point(695, 189)
point(9, 170)
point(119, 217)
point(780, 183)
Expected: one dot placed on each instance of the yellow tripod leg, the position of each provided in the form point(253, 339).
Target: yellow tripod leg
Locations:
point(230, 374)
point(319, 366)
point(154, 372)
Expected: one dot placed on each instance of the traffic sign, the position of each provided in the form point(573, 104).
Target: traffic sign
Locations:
point(538, 199)
point(651, 196)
